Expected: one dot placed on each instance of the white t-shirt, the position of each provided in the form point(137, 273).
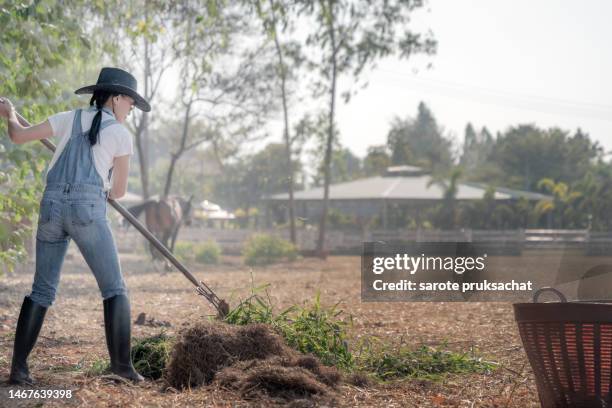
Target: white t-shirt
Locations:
point(113, 141)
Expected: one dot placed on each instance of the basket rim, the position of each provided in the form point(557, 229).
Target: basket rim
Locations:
point(577, 312)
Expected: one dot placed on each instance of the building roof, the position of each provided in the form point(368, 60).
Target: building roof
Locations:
point(403, 188)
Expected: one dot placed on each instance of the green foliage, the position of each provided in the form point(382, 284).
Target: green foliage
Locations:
point(242, 184)
point(311, 328)
point(246, 218)
point(257, 308)
point(98, 367)
point(322, 331)
point(263, 249)
point(445, 214)
point(41, 46)
point(318, 330)
point(338, 219)
point(526, 154)
point(345, 166)
point(151, 354)
point(208, 252)
point(35, 37)
point(184, 251)
point(476, 148)
point(562, 207)
point(596, 201)
point(358, 33)
point(376, 162)
point(425, 362)
point(419, 142)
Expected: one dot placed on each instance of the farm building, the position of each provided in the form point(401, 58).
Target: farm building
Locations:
point(408, 187)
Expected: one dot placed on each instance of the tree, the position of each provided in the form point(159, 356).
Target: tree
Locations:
point(376, 162)
point(352, 36)
point(525, 154)
point(488, 213)
point(249, 178)
point(561, 208)
point(39, 42)
point(225, 80)
point(273, 14)
point(476, 148)
point(345, 166)
point(595, 203)
point(419, 142)
point(139, 35)
point(446, 213)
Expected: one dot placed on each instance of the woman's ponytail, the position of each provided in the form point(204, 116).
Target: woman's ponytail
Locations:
point(99, 98)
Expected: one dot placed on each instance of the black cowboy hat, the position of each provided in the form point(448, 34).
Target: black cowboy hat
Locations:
point(120, 81)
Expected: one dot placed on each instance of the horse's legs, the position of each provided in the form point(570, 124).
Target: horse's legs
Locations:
point(167, 265)
point(174, 236)
point(154, 252)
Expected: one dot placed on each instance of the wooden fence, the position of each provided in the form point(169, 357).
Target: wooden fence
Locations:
point(508, 242)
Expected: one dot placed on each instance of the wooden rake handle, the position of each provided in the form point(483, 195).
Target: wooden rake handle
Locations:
point(201, 288)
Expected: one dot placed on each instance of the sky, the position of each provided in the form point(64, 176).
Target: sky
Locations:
point(498, 64)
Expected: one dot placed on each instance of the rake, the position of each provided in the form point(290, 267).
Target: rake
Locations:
point(202, 288)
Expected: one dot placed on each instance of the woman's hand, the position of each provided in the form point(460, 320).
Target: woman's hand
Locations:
point(18, 132)
point(6, 108)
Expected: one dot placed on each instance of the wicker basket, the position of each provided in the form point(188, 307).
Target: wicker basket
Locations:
point(569, 346)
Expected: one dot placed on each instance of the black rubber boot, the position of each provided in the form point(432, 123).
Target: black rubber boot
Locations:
point(117, 325)
point(30, 321)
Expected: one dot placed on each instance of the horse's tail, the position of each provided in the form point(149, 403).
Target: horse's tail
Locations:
point(136, 210)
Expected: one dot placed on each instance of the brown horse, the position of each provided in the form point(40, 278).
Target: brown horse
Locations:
point(164, 217)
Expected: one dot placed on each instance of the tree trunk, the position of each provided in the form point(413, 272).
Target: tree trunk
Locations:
point(142, 159)
point(176, 156)
point(283, 71)
point(330, 134)
point(142, 130)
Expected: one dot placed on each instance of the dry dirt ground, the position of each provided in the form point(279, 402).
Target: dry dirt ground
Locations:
point(72, 338)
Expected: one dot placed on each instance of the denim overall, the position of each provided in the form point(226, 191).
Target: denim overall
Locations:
point(74, 206)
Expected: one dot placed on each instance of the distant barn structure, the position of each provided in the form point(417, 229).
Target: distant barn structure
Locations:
point(407, 186)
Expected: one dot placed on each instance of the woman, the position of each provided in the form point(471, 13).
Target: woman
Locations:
point(94, 145)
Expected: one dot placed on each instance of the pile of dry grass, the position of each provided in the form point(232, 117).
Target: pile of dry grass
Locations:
point(251, 359)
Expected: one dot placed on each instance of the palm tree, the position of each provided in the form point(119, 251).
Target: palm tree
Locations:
point(562, 207)
point(446, 213)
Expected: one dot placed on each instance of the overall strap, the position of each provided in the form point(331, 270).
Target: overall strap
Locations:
point(76, 123)
point(108, 123)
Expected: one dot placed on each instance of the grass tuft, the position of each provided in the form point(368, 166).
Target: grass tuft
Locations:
point(150, 355)
point(311, 328)
point(425, 362)
point(98, 367)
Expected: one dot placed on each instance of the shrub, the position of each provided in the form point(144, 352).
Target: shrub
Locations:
point(267, 249)
point(184, 251)
point(208, 252)
point(338, 219)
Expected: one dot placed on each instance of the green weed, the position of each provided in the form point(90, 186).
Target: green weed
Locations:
point(151, 354)
point(98, 367)
point(323, 332)
point(425, 362)
point(309, 329)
